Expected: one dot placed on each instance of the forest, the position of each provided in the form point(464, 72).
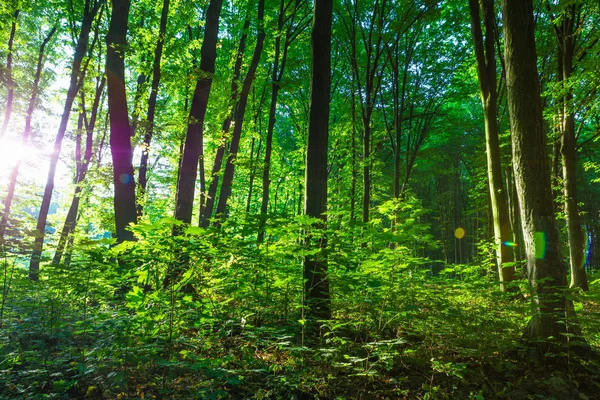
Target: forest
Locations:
point(300, 199)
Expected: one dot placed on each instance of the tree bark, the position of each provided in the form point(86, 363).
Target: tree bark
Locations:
point(193, 147)
point(143, 171)
point(89, 14)
point(210, 197)
point(486, 70)
point(568, 145)
point(82, 169)
point(552, 311)
point(12, 183)
point(316, 300)
point(10, 83)
point(239, 117)
point(276, 76)
point(120, 130)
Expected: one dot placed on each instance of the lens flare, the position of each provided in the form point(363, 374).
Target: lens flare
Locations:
point(460, 233)
point(125, 178)
point(539, 240)
point(510, 244)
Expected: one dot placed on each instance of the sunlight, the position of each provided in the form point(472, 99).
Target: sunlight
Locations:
point(11, 152)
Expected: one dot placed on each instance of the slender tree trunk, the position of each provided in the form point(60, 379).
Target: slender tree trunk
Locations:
point(486, 68)
point(12, 183)
point(120, 130)
point(74, 85)
point(316, 300)
point(10, 80)
point(253, 158)
point(193, 147)
point(82, 169)
point(143, 171)
point(568, 151)
point(211, 196)
point(239, 116)
point(276, 76)
point(551, 309)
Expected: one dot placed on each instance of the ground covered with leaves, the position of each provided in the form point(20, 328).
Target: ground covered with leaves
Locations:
point(401, 329)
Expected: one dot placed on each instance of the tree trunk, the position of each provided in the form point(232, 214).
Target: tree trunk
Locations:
point(143, 171)
point(25, 137)
point(120, 131)
point(316, 300)
point(210, 198)
point(486, 68)
point(193, 147)
point(9, 79)
point(82, 169)
point(74, 85)
point(276, 76)
point(568, 151)
point(551, 309)
point(239, 116)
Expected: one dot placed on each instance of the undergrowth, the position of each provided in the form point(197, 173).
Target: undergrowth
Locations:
point(232, 327)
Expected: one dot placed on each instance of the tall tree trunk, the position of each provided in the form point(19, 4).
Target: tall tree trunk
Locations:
point(211, 197)
point(82, 169)
point(143, 171)
point(486, 69)
point(276, 75)
point(568, 145)
point(9, 78)
point(74, 85)
point(239, 116)
point(316, 300)
point(374, 46)
point(12, 183)
point(120, 130)
point(193, 147)
point(551, 309)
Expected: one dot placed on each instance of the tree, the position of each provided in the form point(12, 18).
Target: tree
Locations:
point(365, 34)
point(10, 83)
point(77, 75)
point(292, 30)
point(316, 299)
point(120, 130)
point(193, 148)
point(26, 133)
point(566, 31)
point(239, 115)
point(485, 55)
point(143, 171)
point(551, 309)
point(82, 166)
point(209, 199)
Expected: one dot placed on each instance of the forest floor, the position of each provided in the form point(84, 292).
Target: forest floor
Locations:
point(443, 339)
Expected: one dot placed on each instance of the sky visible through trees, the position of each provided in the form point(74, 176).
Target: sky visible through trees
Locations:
point(396, 196)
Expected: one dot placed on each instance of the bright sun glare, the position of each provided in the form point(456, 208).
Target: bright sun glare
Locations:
point(11, 152)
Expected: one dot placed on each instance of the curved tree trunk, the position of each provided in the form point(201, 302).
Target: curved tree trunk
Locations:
point(239, 116)
point(82, 169)
point(12, 183)
point(74, 85)
point(210, 198)
point(193, 147)
point(10, 82)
